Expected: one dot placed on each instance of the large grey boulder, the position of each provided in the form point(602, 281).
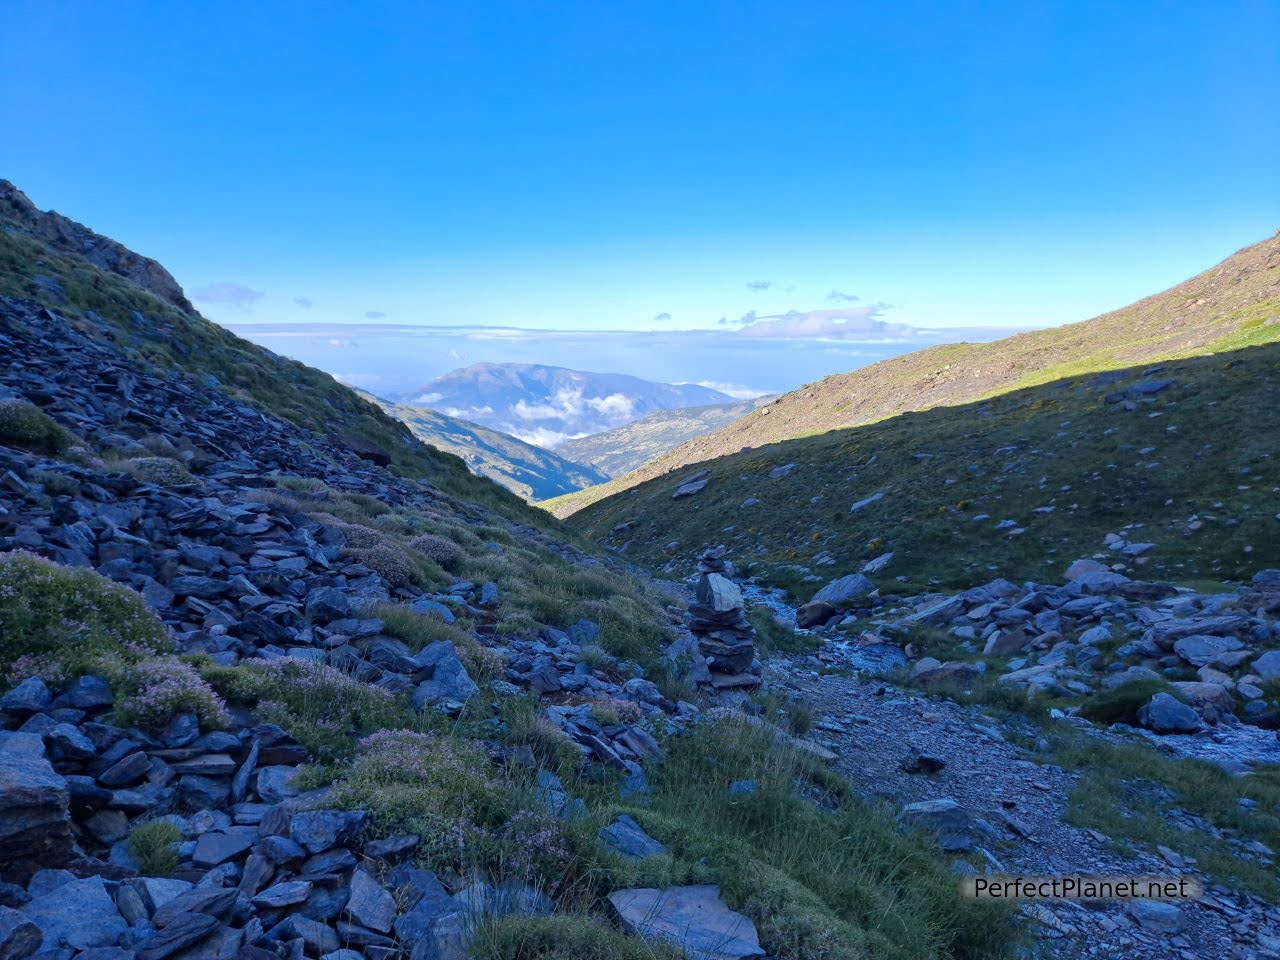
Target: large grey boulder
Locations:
point(950, 821)
point(1267, 666)
point(693, 918)
point(370, 905)
point(1165, 713)
point(1199, 650)
point(844, 590)
point(35, 826)
point(79, 914)
point(448, 680)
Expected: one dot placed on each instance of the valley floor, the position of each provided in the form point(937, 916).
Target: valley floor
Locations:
point(1019, 809)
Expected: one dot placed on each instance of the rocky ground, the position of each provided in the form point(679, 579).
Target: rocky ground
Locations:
point(967, 772)
point(184, 515)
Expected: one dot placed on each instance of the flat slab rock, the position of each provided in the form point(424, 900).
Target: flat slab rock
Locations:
point(693, 918)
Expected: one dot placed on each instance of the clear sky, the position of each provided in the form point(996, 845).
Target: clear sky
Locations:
point(649, 165)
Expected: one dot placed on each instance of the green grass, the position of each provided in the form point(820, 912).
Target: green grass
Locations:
point(151, 844)
point(775, 637)
point(1130, 792)
point(562, 937)
point(1121, 704)
point(1200, 449)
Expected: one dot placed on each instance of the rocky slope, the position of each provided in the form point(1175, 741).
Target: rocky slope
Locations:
point(1232, 305)
point(531, 473)
point(623, 449)
point(279, 682)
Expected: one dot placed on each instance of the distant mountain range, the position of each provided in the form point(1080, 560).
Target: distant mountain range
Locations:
point(549, 405)
point(632, 445)
point(529, 471)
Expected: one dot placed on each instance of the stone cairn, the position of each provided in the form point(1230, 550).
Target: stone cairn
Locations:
point(726, 640)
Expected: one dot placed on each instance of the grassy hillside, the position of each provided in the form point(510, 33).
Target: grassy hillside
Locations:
point(1234, 304)
point(1018, 486)
point(619, 451)
point(529, 472)
point(109, 305)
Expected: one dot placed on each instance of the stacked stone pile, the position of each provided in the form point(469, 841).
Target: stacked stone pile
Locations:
point(726, 640)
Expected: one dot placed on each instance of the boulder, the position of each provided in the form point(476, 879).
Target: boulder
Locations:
point(844, 590)
point(369, 904)
point(694, 919)
point(688, 489)
point(814, 615)
point(326, 604)
point(1199, 650)
point(628, 838)
point(1167, 714)
point(950, 821)
point(79, 914)
point(35, 824)
point(320, 830)
point(1267, 666)
point(718, 593)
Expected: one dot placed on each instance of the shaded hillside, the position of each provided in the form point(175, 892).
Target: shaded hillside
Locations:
point(628, 447)
point(530, 472)
point(1182, 456)
point(113, 293)
point(1234, 304)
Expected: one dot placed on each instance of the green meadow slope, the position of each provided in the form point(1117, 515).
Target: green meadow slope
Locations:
point(1234, 304)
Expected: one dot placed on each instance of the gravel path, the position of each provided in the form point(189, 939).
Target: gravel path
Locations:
point(873, 727)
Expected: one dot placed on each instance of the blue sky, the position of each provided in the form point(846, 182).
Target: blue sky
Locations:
point(653, 166)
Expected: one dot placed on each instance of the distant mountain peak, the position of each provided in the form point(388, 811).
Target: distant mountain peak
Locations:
point(547, 405)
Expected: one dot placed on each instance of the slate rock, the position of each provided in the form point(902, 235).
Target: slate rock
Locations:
point(950, 821)
point(843, 590)
point(79, 914)
point(694, 919)
point(19, 936)
point(283, 894)
point(179, 933)
point(28, 697)
point(35, 822)
point(326, 604)
point(628, 838)
point(219, 846)
point(320, 830)
point(369, 904)
point(1165, 713)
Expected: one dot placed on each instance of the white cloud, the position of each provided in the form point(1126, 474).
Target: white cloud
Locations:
point(542, 437)
point(836, 296)
point(374, 314)
point(304, 302)
point(735, 390)
point(228, 294)
point(759, 286)
point(840, 323)
point(616, 405)
point(427, 399)
point(341, 342)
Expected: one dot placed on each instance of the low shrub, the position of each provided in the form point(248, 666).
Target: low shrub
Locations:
point(24, 425)
point(74, 618)
point(446, 553)
point(1121, 704)
point(774, 636)
point(158, 690)
point(324, 708)
point(162, 471)
point(527, 726)
point(151, 844)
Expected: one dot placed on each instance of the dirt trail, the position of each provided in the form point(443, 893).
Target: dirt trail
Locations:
point(874, 727)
